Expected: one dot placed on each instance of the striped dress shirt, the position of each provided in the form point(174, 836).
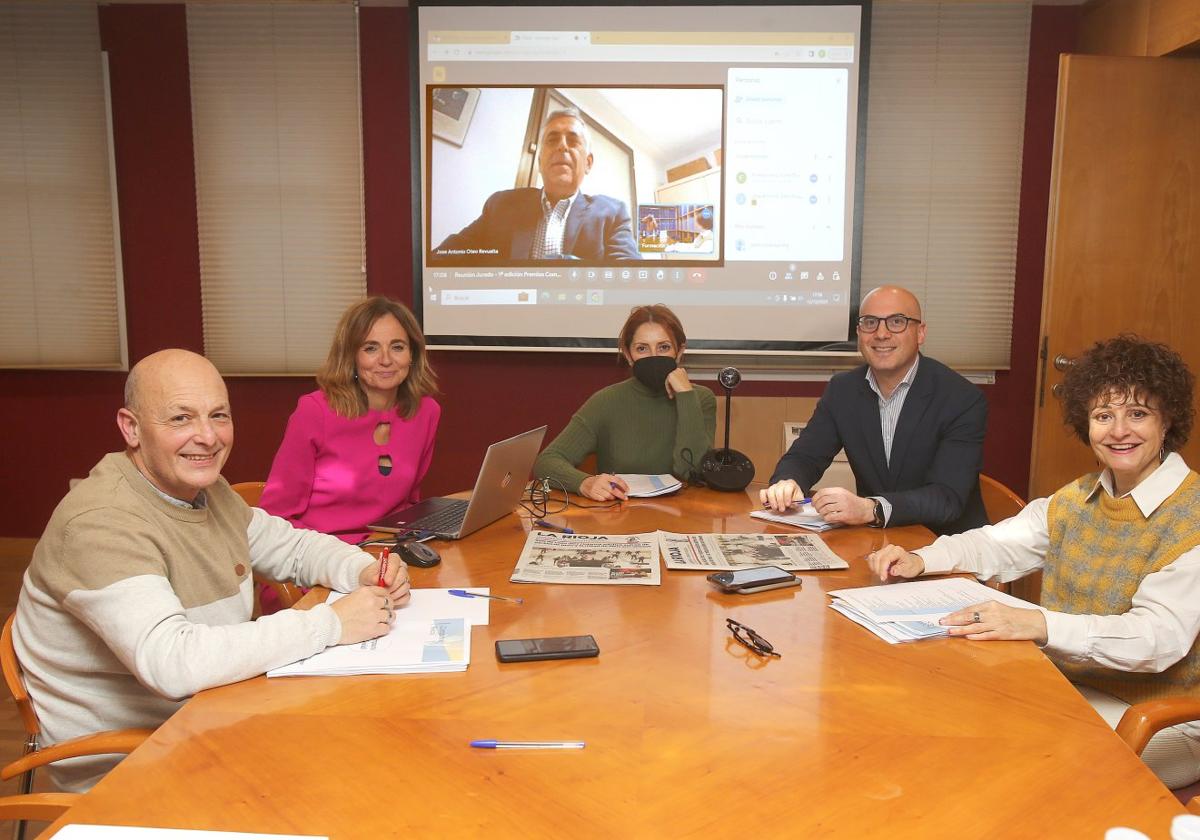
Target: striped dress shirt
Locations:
point(889, 415)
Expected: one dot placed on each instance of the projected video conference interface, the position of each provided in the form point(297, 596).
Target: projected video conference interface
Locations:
point(574, 167)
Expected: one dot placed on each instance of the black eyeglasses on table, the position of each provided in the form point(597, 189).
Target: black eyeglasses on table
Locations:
point(750, 639)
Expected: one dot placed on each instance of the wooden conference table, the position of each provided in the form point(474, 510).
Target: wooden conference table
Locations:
point(688, 734)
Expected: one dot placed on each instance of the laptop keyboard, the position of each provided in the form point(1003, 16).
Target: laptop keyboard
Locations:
point(444, 520)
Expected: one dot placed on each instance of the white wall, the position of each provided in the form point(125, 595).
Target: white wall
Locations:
point(463, 178)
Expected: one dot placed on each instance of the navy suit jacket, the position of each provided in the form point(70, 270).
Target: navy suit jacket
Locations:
point(598, 229)
point(933, 476)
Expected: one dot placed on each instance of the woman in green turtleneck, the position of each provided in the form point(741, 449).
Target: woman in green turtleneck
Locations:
point(655, 422)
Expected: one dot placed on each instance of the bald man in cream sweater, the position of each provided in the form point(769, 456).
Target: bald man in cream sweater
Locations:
point(140, 591)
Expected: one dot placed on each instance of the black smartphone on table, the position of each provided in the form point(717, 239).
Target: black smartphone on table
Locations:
point(552, 647)
point(755, 579)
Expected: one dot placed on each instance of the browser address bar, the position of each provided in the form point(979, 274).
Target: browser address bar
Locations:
point(640, 46)
point(576, 51)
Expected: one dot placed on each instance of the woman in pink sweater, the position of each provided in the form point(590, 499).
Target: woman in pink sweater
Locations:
point(358, 448)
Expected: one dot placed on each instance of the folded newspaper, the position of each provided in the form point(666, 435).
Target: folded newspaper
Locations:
point(550, 557)
point(805, 552)
point(908, 611)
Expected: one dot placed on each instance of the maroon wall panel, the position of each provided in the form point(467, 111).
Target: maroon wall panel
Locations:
point(383, 55)
point(1011, 399)
point(156, 180)
point(56, 425)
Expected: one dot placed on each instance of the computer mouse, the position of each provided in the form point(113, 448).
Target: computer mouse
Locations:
point(417, 554)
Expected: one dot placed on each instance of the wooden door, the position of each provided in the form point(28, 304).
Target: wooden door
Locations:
point(1123, 241)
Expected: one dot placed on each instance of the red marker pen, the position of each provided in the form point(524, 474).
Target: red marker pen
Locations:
point(383, 564)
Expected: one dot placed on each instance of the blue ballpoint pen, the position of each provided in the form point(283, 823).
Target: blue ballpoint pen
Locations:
point(542, 523)
point(463, 593)
point(807, 500)
point(527, 745)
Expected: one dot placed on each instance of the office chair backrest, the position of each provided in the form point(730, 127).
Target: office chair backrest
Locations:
point(15, 679)
point(250, 491)
point(998, 500)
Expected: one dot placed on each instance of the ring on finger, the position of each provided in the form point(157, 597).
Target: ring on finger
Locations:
point(975, 616)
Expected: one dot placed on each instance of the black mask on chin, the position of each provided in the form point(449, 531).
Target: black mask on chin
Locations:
point(652, 371)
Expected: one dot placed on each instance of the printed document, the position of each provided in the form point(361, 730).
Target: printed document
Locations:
point(645, 486)
point(805, 516)
point(900, 612)
point(430, 634)
point(796, 552)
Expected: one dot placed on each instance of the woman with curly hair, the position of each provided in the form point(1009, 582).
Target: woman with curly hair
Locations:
point(358, 447)
point(1119, 549)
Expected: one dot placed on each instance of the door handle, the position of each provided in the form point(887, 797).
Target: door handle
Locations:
point(1062, 362)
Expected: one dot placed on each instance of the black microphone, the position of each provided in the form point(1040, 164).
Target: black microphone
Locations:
point(725, 468)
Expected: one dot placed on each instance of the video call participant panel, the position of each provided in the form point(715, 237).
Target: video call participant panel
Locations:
point(485, 198)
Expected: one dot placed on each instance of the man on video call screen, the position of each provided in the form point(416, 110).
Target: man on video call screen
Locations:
point(557, 221)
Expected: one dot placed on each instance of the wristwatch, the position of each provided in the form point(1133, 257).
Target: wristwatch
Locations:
point(878, 522)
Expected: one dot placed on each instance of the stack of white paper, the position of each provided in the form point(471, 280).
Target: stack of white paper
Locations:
point(431, 634)
point(801, 517)
point(645, 486)
point(80, 831)
point(905, 612)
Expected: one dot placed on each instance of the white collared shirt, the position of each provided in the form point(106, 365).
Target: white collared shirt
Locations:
point(889, 415)
point(1164, 618)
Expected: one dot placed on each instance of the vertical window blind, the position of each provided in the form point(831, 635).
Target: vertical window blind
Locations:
point(59, 270)
point(278, 151)
point(945, 124)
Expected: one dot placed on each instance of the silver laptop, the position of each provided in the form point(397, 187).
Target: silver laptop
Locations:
point(501, 482)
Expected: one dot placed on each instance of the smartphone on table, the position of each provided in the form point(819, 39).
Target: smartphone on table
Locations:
point(754, 579)
point(552, 647)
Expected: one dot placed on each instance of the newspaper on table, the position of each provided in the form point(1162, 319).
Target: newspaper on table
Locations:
point(796, 552)
point(550, 557)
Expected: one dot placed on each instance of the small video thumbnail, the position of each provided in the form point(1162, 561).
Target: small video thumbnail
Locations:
point(676, 229)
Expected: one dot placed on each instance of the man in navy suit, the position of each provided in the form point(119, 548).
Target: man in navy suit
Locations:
point(554, 222)
point(911, 427)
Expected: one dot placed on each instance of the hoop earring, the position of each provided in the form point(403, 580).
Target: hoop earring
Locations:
point(1162, 454)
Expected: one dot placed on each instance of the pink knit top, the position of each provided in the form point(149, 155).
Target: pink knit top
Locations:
point(326, 473)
